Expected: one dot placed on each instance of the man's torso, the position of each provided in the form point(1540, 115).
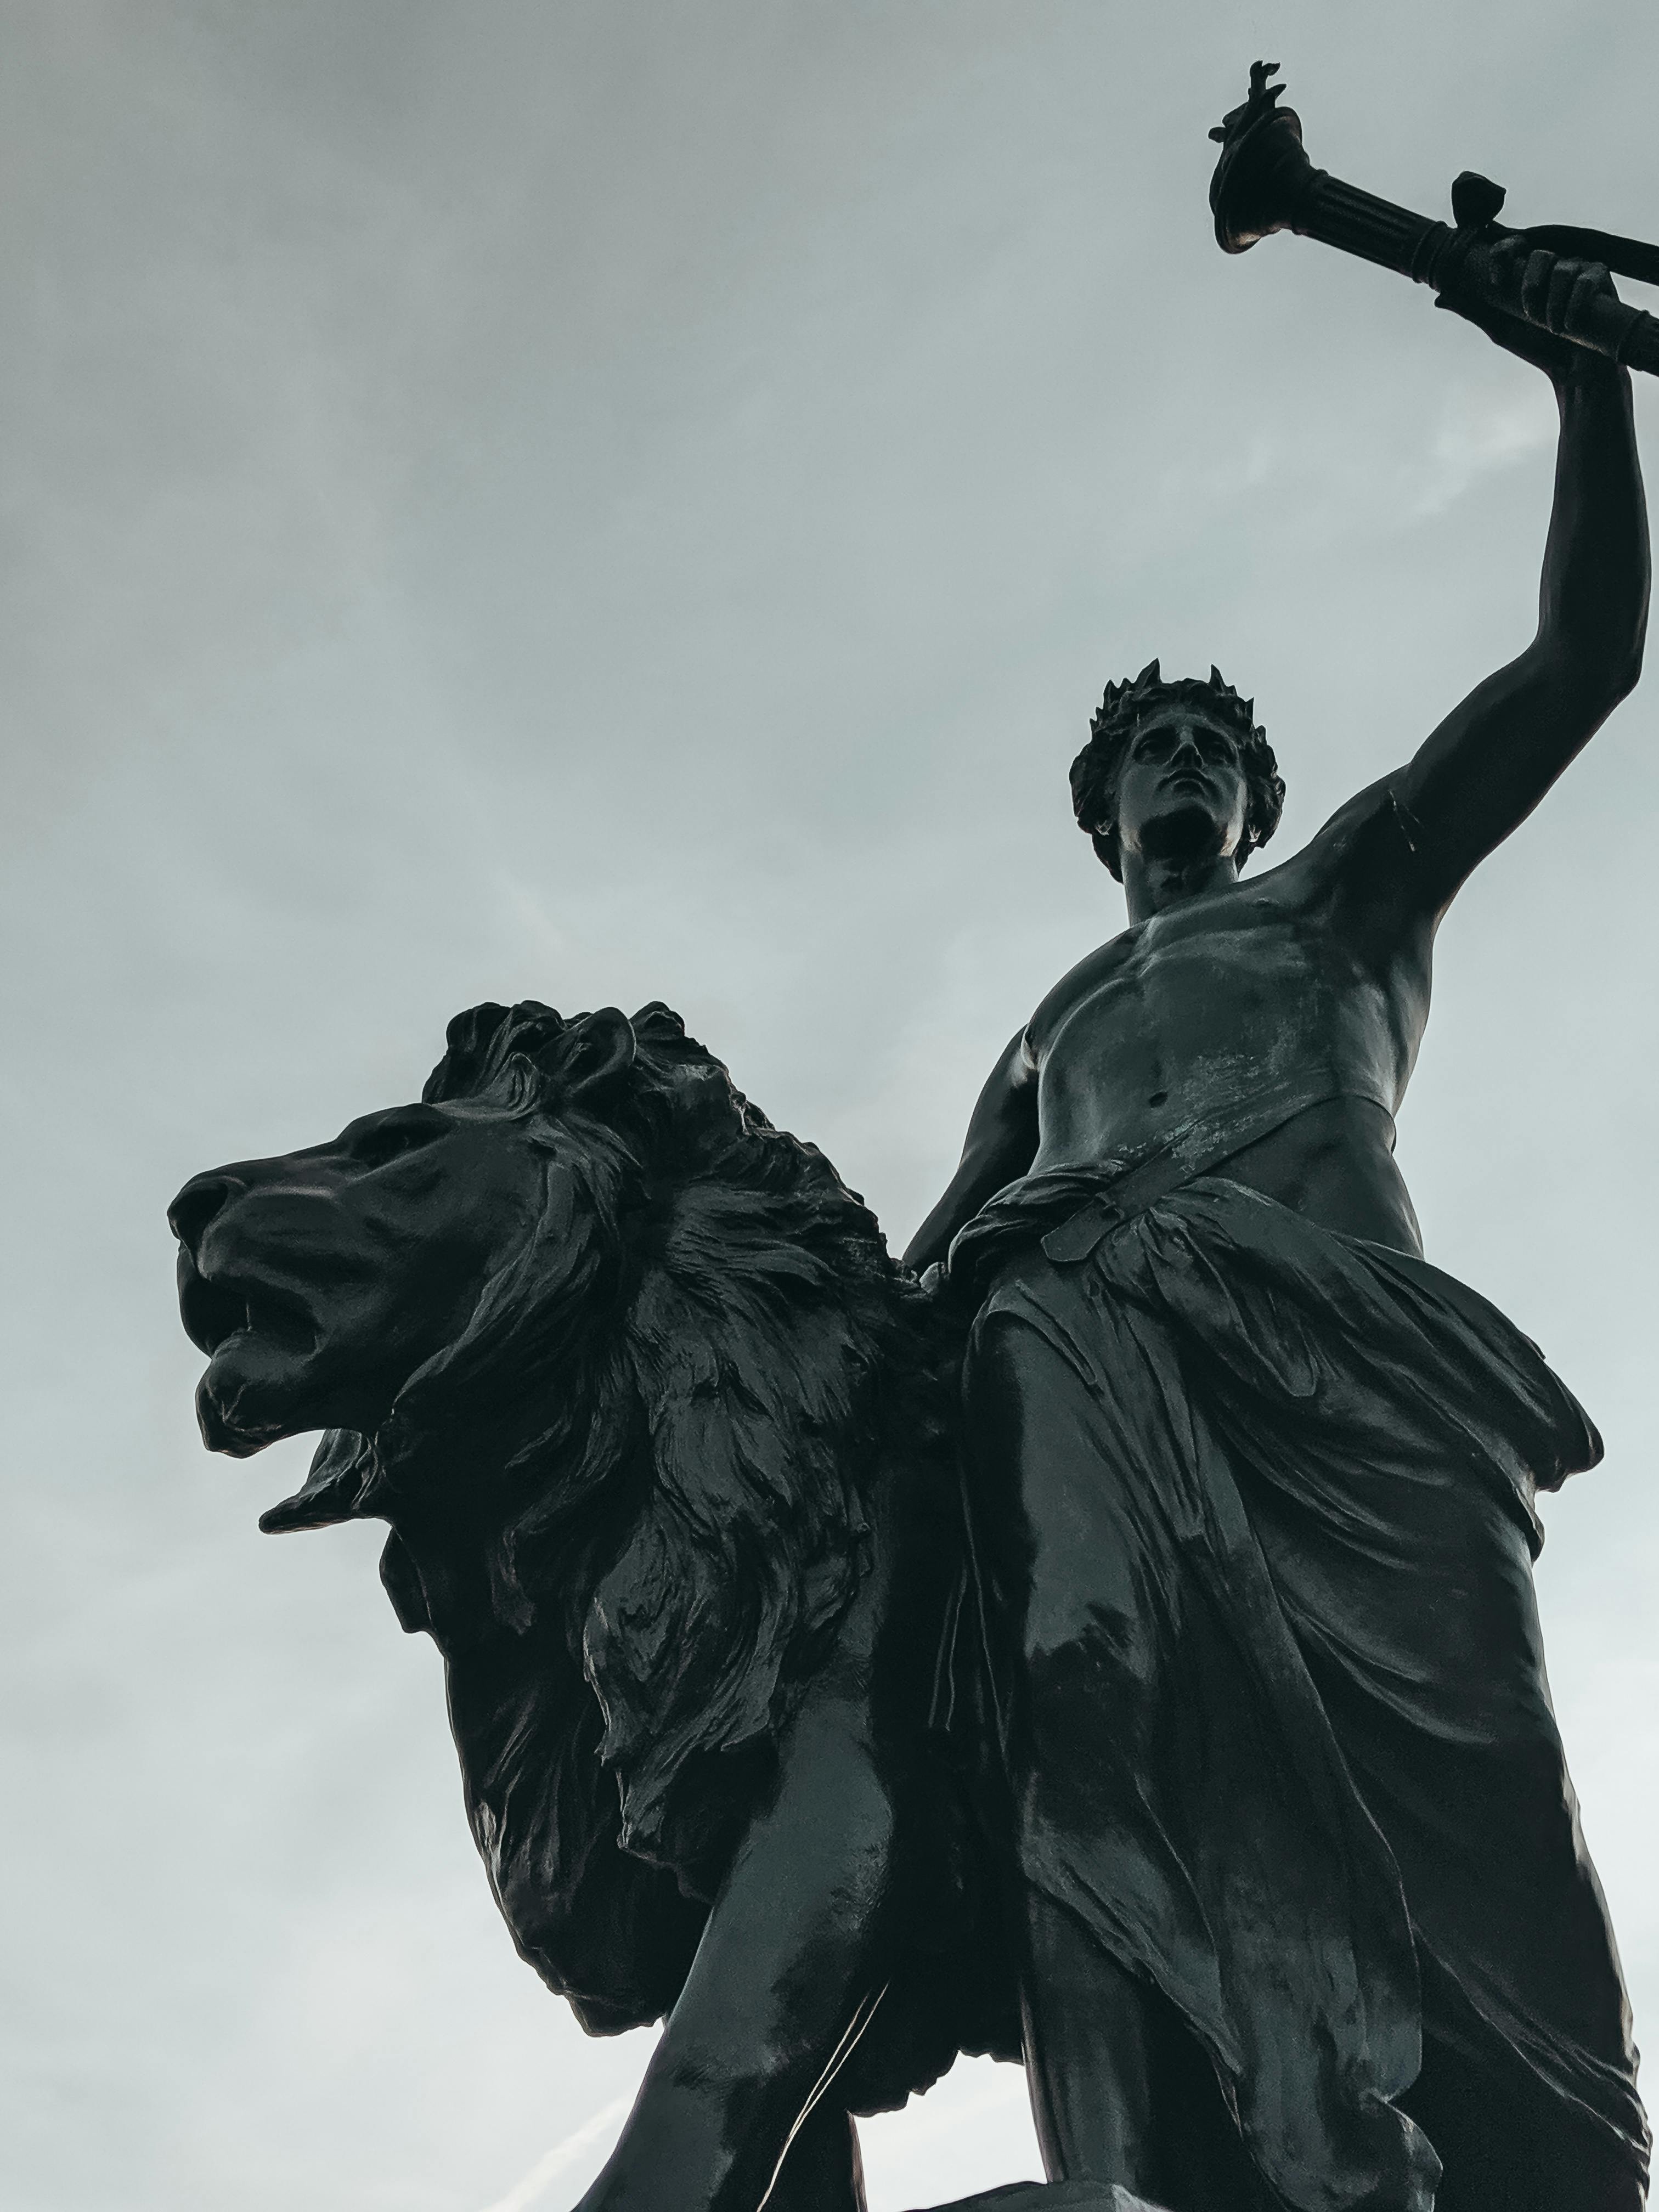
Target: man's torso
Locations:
point(1311, 980)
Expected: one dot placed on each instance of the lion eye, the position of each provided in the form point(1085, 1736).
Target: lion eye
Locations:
point(389, 1140)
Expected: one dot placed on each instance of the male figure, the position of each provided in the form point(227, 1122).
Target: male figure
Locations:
point(1252, 1484)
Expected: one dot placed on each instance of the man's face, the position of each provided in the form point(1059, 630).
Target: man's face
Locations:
point(1182, 790)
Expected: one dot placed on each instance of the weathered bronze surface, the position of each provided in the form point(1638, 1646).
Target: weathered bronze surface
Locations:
point(1252, 1485)
point(664, 1438)
point(1107, 1639)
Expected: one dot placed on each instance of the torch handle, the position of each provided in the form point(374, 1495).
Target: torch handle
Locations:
point(1340, 215)
point(1456, 265)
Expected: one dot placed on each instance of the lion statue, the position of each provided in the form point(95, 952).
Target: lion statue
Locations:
point(662, 1435)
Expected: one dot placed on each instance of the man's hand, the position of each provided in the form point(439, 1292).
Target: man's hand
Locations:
point(1544, 302)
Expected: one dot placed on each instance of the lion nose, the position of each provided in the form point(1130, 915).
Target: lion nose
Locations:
point(197, 1202)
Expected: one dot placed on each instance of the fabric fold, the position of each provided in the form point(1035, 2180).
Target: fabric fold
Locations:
point(1253, 1514)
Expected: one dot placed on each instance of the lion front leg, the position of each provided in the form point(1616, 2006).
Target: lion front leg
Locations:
point(822, 2171)
point(791, 1950)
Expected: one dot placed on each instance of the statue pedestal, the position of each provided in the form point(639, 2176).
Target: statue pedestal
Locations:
point(1053, 2197)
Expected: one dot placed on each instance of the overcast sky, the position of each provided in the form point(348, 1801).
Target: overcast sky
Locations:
point(609, 501)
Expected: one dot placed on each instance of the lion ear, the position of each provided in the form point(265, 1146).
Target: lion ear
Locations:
point(599, 1049)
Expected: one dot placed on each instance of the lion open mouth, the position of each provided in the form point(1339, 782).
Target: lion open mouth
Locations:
point(257, 1343)
point(211, 1313)
point(215, 1309)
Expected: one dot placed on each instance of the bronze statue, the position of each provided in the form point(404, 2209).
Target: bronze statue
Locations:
point(1197, 1747)
point(663, 1437)
point(1252, 1486)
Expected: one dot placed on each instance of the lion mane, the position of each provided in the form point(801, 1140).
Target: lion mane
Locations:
point(630, 1501)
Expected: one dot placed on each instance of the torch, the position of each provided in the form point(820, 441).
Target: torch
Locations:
point(1265, 182)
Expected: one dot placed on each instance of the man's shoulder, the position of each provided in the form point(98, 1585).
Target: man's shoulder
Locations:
point(1082, 977)
point(1362, 879)
point(1371, 827)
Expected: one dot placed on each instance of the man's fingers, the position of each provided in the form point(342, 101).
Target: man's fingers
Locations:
point(1591, 283)
point(1537, 304)
point(1563, 278)
point(1536, 286)
point(1504, 260)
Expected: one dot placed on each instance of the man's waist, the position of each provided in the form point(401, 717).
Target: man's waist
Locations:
point(1068, 1207)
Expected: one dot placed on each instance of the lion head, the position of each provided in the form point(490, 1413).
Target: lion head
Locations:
point(616, 1359)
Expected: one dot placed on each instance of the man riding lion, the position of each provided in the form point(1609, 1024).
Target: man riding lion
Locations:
point(1296, 1905)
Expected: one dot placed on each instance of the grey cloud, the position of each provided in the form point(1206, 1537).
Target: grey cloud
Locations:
point(614, 501)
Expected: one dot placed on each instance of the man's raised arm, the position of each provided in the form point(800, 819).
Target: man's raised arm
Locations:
point(1002, 1142)
point(1491, 760)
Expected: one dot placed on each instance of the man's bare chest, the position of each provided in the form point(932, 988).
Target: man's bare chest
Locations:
point(1199, 1008)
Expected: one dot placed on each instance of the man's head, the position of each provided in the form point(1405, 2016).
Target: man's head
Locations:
point(1173, 768)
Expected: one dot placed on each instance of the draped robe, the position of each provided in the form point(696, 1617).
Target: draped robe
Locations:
point(1252, 1512)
